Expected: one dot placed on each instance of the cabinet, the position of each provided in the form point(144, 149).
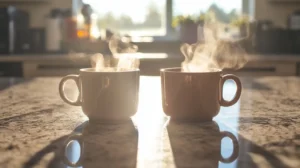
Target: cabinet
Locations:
point(23, 1)
point(11, 69)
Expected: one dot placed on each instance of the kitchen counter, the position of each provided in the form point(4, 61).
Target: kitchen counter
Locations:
point(57, 65)
point(35, 126)
point(72, 57)
point(143, 56)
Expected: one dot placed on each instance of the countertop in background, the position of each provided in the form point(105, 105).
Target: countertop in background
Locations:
point(143, 56)
point(150, 64)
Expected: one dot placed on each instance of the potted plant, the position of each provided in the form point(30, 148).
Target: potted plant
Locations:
point(187, 27)
point(247, 30)
point(201, 19)
point(242, 23)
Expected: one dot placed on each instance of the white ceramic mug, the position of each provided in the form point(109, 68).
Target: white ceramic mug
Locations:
point(105, 95)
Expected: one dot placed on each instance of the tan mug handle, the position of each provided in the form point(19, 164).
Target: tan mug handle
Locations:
point(235, 152)
point(75, 137)
point(62, 93)
point(238, 83)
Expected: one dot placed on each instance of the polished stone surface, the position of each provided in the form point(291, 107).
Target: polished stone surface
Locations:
point(261, 130)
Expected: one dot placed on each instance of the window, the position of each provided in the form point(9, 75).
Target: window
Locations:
point(131, 17)
point(225, 10)
point(154, 17)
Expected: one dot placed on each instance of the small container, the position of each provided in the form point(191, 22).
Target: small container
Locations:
point(69, 26)
point(86, 12)
point(53, 32)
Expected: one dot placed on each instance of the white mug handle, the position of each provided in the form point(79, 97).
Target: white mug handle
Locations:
point(62, 93)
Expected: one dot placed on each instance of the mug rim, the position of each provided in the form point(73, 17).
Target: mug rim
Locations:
point(92, 70)
point(170, 70)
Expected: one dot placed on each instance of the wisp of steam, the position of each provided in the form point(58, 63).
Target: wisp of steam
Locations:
point(214, 53)
point(123, 51)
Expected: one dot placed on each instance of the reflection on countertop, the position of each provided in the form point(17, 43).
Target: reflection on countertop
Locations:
point(265, 123)
point(176, 145)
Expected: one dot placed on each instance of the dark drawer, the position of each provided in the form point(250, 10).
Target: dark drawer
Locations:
point(13, 69)
point(298, 69)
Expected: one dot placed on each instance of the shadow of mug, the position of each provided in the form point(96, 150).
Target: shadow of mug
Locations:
point(199, 144)
point(102, 145)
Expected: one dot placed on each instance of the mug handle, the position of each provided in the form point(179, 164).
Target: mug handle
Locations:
point(238, 83)
point(62, 93)
point(235, 152)
point(78, 138)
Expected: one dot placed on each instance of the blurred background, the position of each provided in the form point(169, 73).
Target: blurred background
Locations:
point(57, 37)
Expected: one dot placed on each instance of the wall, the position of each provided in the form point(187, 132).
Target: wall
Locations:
point(278, 12)
point(39, 10)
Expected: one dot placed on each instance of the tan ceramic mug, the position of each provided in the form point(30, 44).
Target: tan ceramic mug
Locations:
point(105, 95)
point(195, 95)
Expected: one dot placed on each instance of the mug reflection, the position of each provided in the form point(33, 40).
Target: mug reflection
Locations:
point(102, 145)
point(200, 145)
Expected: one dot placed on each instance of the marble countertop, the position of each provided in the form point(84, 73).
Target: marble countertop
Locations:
point(262, 130)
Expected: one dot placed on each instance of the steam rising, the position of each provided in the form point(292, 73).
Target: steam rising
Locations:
point(98, 62)
point(123, 51)
point(118, 45)
point(214, 53)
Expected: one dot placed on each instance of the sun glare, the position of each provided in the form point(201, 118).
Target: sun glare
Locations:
point(150, 120)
